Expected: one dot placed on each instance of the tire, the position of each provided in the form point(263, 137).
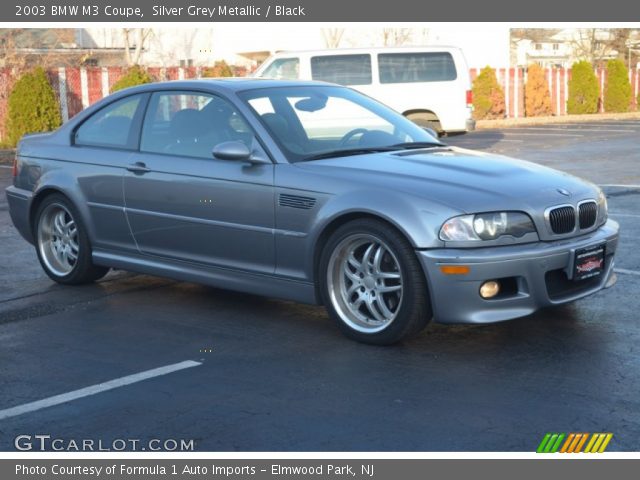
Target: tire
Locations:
point(372, 284)
point(428, 120)
point(62, 243)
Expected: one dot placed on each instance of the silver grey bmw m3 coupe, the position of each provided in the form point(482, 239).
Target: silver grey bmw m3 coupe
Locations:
point(311, 192)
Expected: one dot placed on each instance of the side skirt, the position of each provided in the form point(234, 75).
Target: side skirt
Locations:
point(257, 284)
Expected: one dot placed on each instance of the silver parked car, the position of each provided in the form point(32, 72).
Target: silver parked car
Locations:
point(310, 192)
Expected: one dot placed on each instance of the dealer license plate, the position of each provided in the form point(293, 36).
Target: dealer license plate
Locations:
point(589, 262)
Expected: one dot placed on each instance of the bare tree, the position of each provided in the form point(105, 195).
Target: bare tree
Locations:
point(626, 42)
point(597, 44)
point(332, 37)
point(534, 34)
point(9, 52)
point(395, 37)
point(22, 48)
point(134, 38)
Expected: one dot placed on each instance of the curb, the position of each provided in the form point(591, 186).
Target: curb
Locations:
point(517, 122)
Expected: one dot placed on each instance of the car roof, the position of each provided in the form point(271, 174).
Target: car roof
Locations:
point(235, 84)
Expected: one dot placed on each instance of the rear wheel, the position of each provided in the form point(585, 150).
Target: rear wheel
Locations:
point(62, 243)
point(372, 283)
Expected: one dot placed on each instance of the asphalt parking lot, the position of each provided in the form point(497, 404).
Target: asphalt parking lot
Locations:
point(271, 375)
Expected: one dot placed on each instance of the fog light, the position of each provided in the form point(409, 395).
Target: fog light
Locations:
point(489, 289)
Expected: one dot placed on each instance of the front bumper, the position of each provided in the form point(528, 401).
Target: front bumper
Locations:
point(538, 273)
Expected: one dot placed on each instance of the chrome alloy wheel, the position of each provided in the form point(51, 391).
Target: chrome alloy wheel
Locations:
point(365, 283)
point(58, 239)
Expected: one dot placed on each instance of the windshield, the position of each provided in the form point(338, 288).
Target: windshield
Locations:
point(311, 122)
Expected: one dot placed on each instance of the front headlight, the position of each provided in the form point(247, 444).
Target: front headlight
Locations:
point(486, 226)
point(603, 208)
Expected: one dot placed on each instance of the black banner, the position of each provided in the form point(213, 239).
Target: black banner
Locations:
point(315, 11)
point(361, 469)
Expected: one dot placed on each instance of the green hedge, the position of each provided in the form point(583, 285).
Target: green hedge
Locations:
point(32, 106)
point(583, 89)
point(136, 75)
point(537, 100)
point(219, 69)
point(617, 90)
point(488, 97)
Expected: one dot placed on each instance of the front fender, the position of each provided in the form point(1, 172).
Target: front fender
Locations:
point(417, 219)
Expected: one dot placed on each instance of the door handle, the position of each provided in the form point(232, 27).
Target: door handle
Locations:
point(138, 167)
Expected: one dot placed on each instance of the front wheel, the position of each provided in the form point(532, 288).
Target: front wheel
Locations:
point(372, 283)
point(62, 243)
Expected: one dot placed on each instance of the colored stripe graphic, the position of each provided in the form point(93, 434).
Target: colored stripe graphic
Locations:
point(590, 444)
point(543, 443)
point(599, 442)
point(577, 443)
point(550, 443)
point(573, 442)
point(578, 448)
point(566, 447)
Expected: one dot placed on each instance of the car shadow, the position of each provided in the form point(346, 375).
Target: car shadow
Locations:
point(479, 139)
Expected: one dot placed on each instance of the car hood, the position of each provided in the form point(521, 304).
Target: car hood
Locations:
point(466, 180)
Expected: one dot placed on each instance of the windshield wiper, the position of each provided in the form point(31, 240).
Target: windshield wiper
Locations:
point(350, 151)
point(412, 145)
point(364, 150)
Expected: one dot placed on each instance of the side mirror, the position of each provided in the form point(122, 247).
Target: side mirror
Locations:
point(431, 132)
point(236, 151)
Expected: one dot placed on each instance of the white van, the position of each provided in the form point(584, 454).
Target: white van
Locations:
point(429, 85)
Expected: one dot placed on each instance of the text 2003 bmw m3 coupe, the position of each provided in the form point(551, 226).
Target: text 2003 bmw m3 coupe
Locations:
point(311, 192)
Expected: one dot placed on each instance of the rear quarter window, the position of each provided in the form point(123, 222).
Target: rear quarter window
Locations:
point(342, 69)
point(111, 126)
point(416, 67)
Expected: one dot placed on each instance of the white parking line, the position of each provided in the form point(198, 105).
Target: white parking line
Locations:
point(94, 389)
point(610, 122)
point(633, 215)
point(598, 124)
point(563, 129)
point(624, 271)
point(6, 166)
point(540, 134)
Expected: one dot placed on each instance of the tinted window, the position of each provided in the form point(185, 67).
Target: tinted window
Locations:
point(190, 124)
point(342, 69)
point(283, 68)
point(111, 126)
point(336, 118)
point(416, 67)
point(310, 120)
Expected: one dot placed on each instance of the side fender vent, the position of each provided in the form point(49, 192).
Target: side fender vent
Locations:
point(296, 201)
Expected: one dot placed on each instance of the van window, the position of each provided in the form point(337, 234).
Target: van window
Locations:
point(416, 67)
point(342, 69)
point(283, 68)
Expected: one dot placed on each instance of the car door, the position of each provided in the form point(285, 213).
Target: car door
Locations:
point(184, 204)
point(102, 147)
